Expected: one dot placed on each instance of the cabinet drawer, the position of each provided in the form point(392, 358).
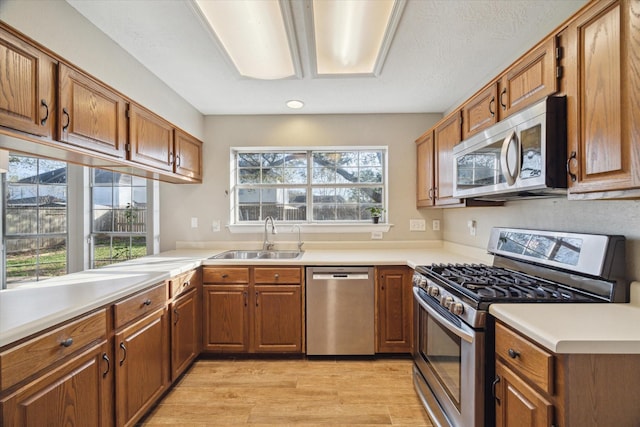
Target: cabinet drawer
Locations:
point(26, 359)
point(525, 357)
point(184, 282)
point(141, 303)
point(226, 275)
point(277, 275)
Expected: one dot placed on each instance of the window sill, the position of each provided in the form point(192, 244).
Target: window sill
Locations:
point(311, 228)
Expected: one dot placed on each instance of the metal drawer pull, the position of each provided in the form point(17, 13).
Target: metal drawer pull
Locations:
point(224, 276)
point(493, 389)
point(124, 353)
point(67, 342)
point(106, 359)
point(175, 311)
point(66, 126)
point(147, 302)
point(513, 354)
point(46, 116)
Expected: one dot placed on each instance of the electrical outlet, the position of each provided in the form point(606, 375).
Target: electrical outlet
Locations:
point(417, 225)
point(194, 222)
point(471, 224)
point(435, 225)
point(216, 225)
point(376, 235)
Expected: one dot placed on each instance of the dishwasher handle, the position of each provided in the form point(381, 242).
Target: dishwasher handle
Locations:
point(341, 276)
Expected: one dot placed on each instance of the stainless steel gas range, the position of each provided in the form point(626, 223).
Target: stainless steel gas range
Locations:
point(453, 347)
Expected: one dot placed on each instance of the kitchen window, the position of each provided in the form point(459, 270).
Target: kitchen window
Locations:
point(118, 213)
point(35, 219)
point(313, 186)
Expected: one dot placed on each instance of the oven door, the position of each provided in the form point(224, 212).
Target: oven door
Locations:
point(449, 361)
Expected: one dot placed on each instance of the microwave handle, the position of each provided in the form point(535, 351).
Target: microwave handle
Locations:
point(510, 157)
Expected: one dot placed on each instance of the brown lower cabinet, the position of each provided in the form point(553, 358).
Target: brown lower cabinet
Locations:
point(252, 309)
point(77, 393)
point(395, 309)
point(535, 387)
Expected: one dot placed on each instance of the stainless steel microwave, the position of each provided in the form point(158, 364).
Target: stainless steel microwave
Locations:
point(523, 155)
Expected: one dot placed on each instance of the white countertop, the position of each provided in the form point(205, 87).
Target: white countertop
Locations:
point(32, 308)
point(577, 328)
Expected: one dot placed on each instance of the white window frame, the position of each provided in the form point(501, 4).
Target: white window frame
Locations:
point(307, 226)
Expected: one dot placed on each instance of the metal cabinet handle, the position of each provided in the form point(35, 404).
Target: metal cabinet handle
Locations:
point(124, 353)
point(178, 160)
point(513, 353)
point(46, 116)
point(431, 194)
point(67, 342)
point(187, 283)
point(492, 111)
point(256, 299)
point(106, 359)
point(245, 294)
point(66, 113)
point(147, 302)
point(175, 311)
point(573, 156)
point(493, 388)
point(502, 94)
point(224, 276)
point(171, 157)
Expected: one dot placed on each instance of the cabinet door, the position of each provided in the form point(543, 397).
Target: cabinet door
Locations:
point(78, 393)
point(518, 404)
point(142, 367)
point(530, 79)
point(226, 318)
point(278, 318)
point(480, 112)
point(90, 115)
point(604, 119)
point(424, 170)
point(185, 332)
point(150, 139)
point(395, 310)
point(447, 135)
point(188, 158)
point(26, 87)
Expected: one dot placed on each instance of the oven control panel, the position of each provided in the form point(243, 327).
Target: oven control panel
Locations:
point(453, 303)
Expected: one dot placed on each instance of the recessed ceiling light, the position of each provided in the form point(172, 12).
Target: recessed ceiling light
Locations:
point(295, 104)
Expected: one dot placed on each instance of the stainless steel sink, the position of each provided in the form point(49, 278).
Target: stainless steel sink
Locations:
point(242, 254)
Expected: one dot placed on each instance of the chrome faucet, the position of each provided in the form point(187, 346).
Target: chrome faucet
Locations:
point(266, 244)
point(300, 242)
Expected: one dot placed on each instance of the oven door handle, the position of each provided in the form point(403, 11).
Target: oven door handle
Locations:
point(466, 334)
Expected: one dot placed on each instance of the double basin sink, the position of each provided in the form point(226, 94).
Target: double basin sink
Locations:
point(242, 254)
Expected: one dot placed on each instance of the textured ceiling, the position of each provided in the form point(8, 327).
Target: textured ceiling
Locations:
point(442, 52)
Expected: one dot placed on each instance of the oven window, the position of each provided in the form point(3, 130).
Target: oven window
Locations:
point(442, 350)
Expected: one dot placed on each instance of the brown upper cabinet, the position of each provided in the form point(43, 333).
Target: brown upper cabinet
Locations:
point(91, 115)
point(188, 155)
point(150, 139)
point(447, 134)
point(27, 93)
point(54, 110)
point(603, 90)
point(425, 196)
point(533, 77)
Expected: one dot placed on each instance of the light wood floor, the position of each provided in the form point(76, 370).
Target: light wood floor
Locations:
point(293, 392)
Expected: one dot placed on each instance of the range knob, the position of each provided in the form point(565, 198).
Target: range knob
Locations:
point(457, 308)
point(447, 301)
point(434, 291)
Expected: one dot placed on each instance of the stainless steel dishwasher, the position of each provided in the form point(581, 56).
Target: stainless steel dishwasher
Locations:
point(340, 311)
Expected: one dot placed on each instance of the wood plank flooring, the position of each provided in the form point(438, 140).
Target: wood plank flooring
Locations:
point(292, 392)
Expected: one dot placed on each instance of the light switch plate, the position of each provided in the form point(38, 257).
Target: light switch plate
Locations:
point(194, 222)
point(435, 225)
point(215, 225)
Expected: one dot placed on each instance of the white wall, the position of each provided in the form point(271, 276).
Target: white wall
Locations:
point(60, 28)
point(602, 217)
point(209, 201)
